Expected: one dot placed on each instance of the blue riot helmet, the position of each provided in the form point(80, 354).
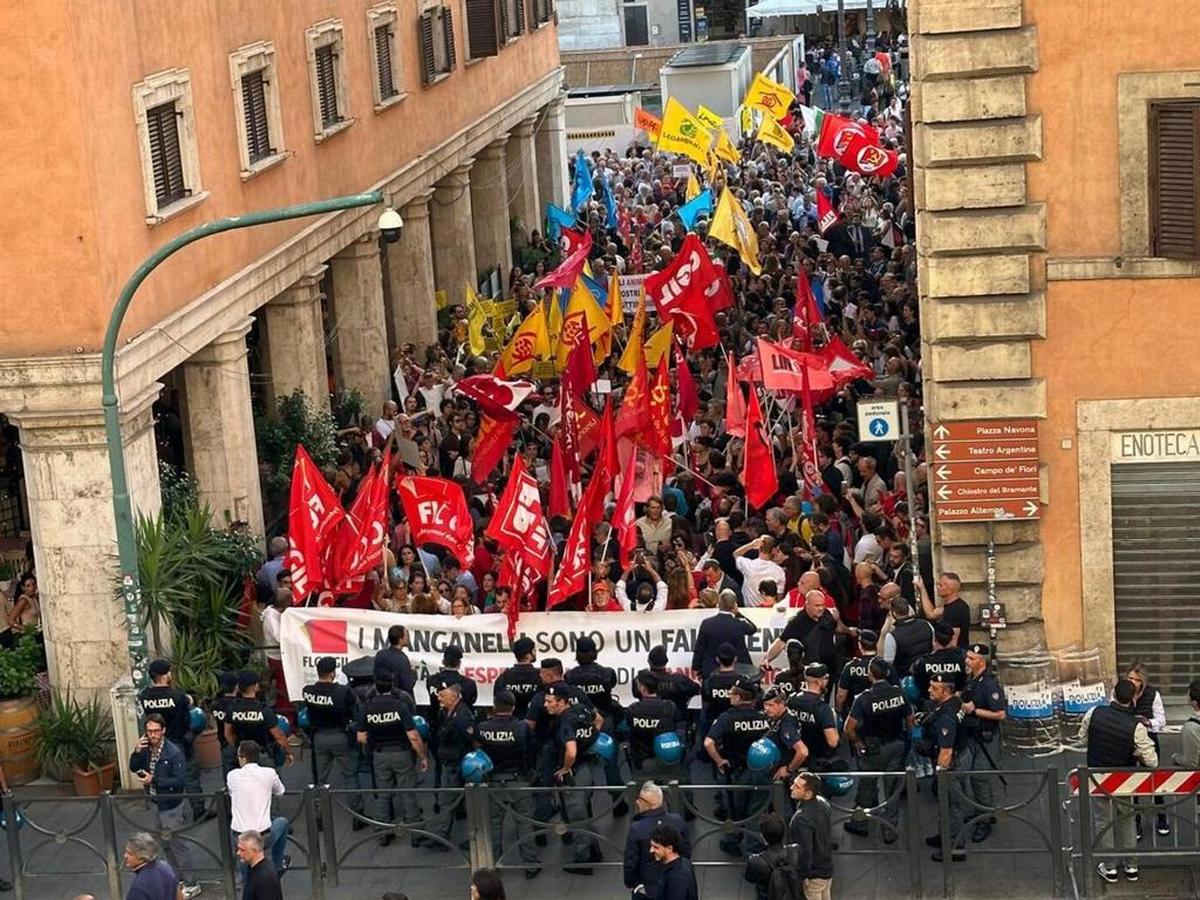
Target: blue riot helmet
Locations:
point(605, 747)
point(763, 756)
point(668, 748)
point(475, 766)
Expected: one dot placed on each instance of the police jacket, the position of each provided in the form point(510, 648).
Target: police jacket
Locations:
point(173, 705)
point(543, 723)
point(946, 722)
point(735, 730)
point(577, 723)
point(170, 773)
point(986, 692)
point(331, 706)
point(810, 831)
point(791, 680)
point(913, 637)
point(220, 713)
point(597, 682)
point(437, 681)
point(387, 720)
point(1110, 736)
point(506, 741)
point(455, 733)
point(640, 867)
point(881, 711)
point(523, 681)
point(813, 715)
point(950, 661)
point(854, 680)
point(721, 628)
point(714, 693)
point(679, 689)
point(648, 718)
point(252, 720)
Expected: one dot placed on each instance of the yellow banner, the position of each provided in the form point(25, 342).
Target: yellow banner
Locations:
point(684, 133)
point(731, 226)
point(771, 132)
point(708, 117)
point(769, 96)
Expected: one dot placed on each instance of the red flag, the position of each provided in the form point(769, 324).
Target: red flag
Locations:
point(580, 372)
point(568, 270)
point(784, 369)
point(805, 314)
point(590, 435)
point(624, 518)
point(758, 463)
point(313, 511)
point(635, 405)
point(573, 568)
point(568, 433)
point(495, 437)
point(437, 514)
point(658, 430)
point(723, 297)
point(868, 158)
point(826, 216)
point(518, 523)
point(842, 364)
point(810, 465)
point(682, 293)
point(735, 403)
point(608, 442)
point(362, 535)
point(496, 397)
point(559, 484)
point(689, 397)
point(836, 132)
point(571, 239)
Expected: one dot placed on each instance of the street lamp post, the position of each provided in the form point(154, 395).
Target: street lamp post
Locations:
point(131, 594)
point(843, 59)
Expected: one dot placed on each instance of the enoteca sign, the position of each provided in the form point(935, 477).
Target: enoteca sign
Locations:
point(1156, 446)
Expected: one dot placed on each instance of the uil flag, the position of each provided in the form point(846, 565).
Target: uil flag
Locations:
point(758, 467)
point(557, 219)
point(647, 122)
point(731, 226)
point(568, 270)
point(437, 513)
point(313, 512)
point(826, 214)
point(771, 132)
point(735, 402)
point(690, 211)
point(582, 189)
point(769, 96)
point(496, 398)
point(529, 342)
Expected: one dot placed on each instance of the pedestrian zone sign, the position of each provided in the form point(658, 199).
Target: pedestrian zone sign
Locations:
point(879, 420)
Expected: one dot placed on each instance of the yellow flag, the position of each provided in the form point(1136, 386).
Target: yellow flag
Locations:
point(529, 343)
point(693, 187)
point(554, 324)
point(747, 120)
point(769, 96)
point(581, 309)
point(477, 316)
point(725, 149)
point(771, 132)
point(683, 133)
point(637, 331)
point(616, 315)
point(731, 226)
point(708, 117)
point(658, 344)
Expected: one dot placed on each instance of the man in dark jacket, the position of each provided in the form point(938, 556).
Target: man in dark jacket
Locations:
point(726, 626)
point(642, 870)
point(810, 830)
point(162, 769)
point(677, 881)
point(761, 867)
point(153, 878)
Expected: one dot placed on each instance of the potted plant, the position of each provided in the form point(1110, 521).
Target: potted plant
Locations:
point(54, 740)
point(19, 710)
point(93, 768)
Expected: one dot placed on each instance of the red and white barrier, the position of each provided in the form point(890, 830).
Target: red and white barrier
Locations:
point(1137, 783)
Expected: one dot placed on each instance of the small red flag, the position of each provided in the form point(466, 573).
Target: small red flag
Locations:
point(568, 270)
point(580, 372)
point(805, 314)
point(496, 397)
point(634, 413)
point(573, 567)
point(758, 463)
point(689, 397)
point(826, 216)
point(836, 132)
point(868, 158)
point(313, 513)
point(559, 488)
point(735, 402)
point(658, 431)
point(495, 437)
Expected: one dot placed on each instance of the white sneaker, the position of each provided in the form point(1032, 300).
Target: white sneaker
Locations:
point(191, 890)
point(1108, 873)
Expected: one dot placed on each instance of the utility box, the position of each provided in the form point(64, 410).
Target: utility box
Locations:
point(716, 75)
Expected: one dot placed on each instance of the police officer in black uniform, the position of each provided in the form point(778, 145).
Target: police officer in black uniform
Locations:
point(454, 737)
point(387, 731)
point(985, 706)
point(913, 636)
point(521, 680)
point(791, 679)
point(175, 707)
point(949, 740)
point(576, 727)
point(649, 716)
point(543, 725)
point(250, 719)
point(818, 725)
point(360, 676)
point(785, 732)
point(332, 711)
point(853, 679)
point(673, 686)
point(717, 687)
point(226, 694)
point(728, 746)
point(946, 658)
point(598, 682)
point(394, 658)
point(508, 742)
point(875, 728)
point(468, 693)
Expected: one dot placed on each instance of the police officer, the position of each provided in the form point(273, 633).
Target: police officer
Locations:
point(949, 741)
point(911, 637)
point(387, 731)
point(597, 682)
point(360, 676)
point(543, 725)
point(508, 742)
point(947, 658)
point(250, 719)
point(985, 706)
point(454, 737)
point(818, 726)
point(467, 690)
point(728, 746)
point(673, 686)
point(576, 727)
point(226, 694)
point(332, 710)
point(394, 658)
point(853, 679)
point(649, 716)
point(717, 687)
point(521, 680)
point(785, 732)
point(175, 707)
point(875, 729)
point(791, 679)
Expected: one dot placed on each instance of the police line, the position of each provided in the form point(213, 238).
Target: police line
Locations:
point(623, 639)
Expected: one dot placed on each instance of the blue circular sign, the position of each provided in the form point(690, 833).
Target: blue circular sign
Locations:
point(878, 427)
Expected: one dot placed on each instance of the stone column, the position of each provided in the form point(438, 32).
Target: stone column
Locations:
point(410, 277)
point(552, 154)
point(452, 234)
point(520, 160)
point(296, 341)
point(219, 434)
point(74, 536)
point(489, 211)
point(360, 326)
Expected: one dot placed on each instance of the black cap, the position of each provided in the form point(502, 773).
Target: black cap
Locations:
point(384, 674)
point(941, 678)
point(247, 679)
point(226, 681)
point(775, 692)
point(522, 646)
point(816, 670)
point(726, 653)
point(794, 645)
point(867, 637)
point(658, 656)
point(158, 668)
point(551, 663)
point(559, 690)
point(585, 645)
point(359, 669)
point(943, 632)
point(504, 698)
point(326, 665)
point(453, 651)
point(980, 650)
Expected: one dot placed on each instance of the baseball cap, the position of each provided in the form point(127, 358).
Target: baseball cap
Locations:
point(522, 646)
point(326, 665)
point(158, 668)
point(816, 670)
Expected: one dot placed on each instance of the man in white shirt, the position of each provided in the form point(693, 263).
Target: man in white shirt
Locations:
point(756, 571)
point(386, 424)
point(272, 623)
point(251, 789)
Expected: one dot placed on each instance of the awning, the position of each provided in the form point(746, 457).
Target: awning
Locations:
point(772, 8)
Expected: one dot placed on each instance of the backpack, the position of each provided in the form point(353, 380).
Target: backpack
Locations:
point(785, 882)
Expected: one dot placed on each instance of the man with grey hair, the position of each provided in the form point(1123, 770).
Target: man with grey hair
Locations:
point(153, 878)
point(262, 881)
point(642, 871)
point(266, 576)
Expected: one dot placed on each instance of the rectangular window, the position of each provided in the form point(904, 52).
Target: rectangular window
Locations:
point(1175, 179)
point(383, 62)
point(162, 125)
point(483, 29)
point(436, 32)
point(254, 108)
point(512, 19)
point(543, 11)
point(327, 86)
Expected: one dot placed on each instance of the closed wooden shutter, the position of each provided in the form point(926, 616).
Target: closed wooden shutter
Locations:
point(383, 61)
point(162, 125)
point(448, 37)
point(519, 5)
point(254, 108)
point(327, 86)
point(1175, 179)
point(505, 22)
point(481, 29)
point(428, 58)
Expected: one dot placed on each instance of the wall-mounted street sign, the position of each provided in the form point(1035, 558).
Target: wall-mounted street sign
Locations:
point(985, 471)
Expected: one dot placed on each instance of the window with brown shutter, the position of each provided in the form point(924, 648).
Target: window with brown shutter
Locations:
point(447, 18)
point(483, 29)
point(383, 62)
point(1175, 179)
point(254, 108)
point(162, 125)
point(435, 29)
point(512, 19)
point(327, 86)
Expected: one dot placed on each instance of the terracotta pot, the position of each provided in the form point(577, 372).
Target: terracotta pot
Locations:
point(94, 781)
point(208, 749)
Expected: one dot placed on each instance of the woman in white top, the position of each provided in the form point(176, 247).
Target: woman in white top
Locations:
point(26, 611)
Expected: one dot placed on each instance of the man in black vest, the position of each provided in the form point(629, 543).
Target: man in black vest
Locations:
point(909, 639)
point(728, 745)
point(818, 726)
point(386, 728)
point(946, 658)
point(598, 683)
point(523, 679)
point(875, 729)
point(1117, 740)
point(508, 742)
point(649, 716)
point(250, 719)
point(331, 710)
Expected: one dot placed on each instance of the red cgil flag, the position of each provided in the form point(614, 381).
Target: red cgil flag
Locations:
point(313, 513)
point(826, 216)
point(496, 397)
point(689, 397)
point(359, 540)
point(735, 402)
point(805, 314)
point(568, 433)
point(495, 437)
point(576, 560)
point(624, 518)
point(437, 513)
point(683, 291)
point(608, 443)
point(518, 524)
point(810, 465)
point(658, 431)
point(758, 462)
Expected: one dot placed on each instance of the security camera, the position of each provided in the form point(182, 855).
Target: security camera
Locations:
point(390, 224)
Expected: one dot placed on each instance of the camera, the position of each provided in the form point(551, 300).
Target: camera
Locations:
point(390, 224)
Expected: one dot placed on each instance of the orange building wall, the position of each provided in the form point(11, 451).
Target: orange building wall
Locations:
point(75, 181)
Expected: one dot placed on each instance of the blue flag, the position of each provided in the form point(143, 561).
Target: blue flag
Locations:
point(596, 289)
point(583, 189)
point(690, 211)
point(610, 202)
point(557, 219)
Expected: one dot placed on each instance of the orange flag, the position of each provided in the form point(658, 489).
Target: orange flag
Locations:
point(647, 122)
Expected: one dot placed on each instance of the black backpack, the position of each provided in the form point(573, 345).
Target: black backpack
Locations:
point(785, 882)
